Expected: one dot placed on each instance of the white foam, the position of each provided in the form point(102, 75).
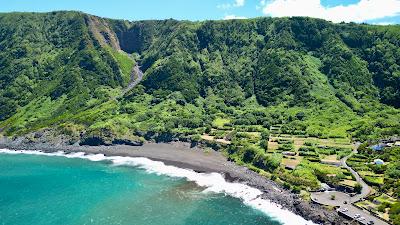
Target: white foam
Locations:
point(213, 182)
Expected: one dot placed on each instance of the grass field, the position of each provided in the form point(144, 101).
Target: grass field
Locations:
point(220, 122)
point(350, 183)
point(291, 162)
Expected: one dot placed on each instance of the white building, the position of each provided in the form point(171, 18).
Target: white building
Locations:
point(379, 162)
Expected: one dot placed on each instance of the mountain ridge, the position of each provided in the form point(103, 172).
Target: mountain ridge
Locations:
point(284, 63)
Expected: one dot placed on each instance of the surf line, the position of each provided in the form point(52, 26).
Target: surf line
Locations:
point(212, 182)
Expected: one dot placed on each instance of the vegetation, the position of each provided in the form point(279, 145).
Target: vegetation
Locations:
point(384, 177)
point(395, 213)
point(238, 85)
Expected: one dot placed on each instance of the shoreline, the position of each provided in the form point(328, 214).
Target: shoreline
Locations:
point(179, 154)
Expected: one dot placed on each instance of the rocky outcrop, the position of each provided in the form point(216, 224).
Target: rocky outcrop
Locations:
point(102, 32)
point(122, 141)
point(59, 138)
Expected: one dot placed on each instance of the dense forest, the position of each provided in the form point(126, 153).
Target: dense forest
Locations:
point(67, 70)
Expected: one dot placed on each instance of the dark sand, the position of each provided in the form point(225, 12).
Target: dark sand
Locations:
point(181, 155)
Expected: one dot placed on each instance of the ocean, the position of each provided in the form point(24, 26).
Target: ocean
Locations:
point(54, 188)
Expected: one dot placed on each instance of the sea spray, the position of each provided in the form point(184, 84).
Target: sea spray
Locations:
point(212, 182)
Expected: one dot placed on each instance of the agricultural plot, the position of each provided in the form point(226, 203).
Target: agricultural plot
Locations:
point(379, 205)
point(328, 151)
point(291, 162)
point(372, 178)
point(363, 165)
point(348, 183)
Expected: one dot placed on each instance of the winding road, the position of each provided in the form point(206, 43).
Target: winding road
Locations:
point(344, 201)
point(365, 188)
point(325, 197)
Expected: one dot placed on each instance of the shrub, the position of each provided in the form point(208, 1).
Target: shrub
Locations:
point(358, 188)
point(267, 162)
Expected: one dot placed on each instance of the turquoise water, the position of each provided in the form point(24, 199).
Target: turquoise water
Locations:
point(43, 190)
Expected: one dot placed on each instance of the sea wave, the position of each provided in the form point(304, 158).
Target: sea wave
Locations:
point(212, 182)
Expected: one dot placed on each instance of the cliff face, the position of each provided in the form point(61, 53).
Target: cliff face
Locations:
point(69, 69)
point(101, 30)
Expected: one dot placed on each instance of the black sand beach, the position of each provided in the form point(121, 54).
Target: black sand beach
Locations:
point(181, 155)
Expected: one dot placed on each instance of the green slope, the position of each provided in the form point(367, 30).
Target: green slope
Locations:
point(64, 71)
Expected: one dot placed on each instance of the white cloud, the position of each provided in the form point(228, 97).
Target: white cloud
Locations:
point(237, 3)
point(233, 17)
point(359, 12)
point(260, 5)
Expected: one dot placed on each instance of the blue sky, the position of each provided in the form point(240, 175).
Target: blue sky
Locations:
point(370, 11)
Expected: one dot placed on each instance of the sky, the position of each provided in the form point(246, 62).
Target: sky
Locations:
point(359, 11)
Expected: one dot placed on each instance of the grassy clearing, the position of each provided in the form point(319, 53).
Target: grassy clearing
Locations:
point(125, 63)
point(291, 162)
point(385, 198)
point(349, 183)
point(272, 146)
point(219, 122)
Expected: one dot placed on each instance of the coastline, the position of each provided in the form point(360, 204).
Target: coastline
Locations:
point(179, 154)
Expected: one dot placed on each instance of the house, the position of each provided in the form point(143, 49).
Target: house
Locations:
point(390, 140)
point(378, 147)
point(379, 162)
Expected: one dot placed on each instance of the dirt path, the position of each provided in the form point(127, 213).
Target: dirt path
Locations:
point(136, 77)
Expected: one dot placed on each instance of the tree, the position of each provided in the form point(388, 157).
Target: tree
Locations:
point(267, 162)
point(358, 188)
point(249, 154)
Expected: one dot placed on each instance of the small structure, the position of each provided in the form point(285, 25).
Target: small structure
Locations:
point(377, 148)
point(390, 140)
point(379, 162)
point(397, 143)
point(289, 153)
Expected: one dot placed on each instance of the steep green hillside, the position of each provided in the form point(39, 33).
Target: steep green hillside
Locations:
point(66, 71)
point(51, 67)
